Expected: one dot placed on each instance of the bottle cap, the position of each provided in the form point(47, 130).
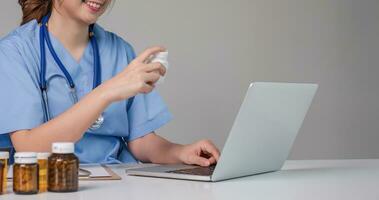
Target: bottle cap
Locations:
point(25, 157)
point(4, 154)
point(43, 155)
point(63, 147)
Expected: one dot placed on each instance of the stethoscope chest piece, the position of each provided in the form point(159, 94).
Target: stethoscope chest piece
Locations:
point(97, 124)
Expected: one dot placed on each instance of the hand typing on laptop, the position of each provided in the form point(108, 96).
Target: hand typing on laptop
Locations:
point(203, 153)
point(155, 149)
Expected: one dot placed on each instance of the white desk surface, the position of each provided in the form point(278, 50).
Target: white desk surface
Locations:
point(307, 179)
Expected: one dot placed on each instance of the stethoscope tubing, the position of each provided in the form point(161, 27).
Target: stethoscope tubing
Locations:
point(43, 83)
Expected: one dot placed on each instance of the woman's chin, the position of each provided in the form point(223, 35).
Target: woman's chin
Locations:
point(89, 19)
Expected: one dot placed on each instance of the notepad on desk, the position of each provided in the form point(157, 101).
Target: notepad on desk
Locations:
point(97, 172)
point(88, 172)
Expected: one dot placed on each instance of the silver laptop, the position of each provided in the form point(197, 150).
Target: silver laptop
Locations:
point(260, 139)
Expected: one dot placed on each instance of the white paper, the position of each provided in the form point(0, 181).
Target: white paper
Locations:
point(95, 169)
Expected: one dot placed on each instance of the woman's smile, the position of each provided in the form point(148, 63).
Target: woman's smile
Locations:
point(94, 6)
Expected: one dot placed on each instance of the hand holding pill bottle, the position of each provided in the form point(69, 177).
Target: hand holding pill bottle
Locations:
point(161, 57)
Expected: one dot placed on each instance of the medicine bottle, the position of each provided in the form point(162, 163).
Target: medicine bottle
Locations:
point(4, 157)
point(25, 173)
point(1, 177)
point(42, 165)
point(63, 168)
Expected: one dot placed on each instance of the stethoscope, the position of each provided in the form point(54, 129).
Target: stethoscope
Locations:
point(43, 83)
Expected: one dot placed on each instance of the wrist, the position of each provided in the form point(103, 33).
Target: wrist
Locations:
point(177, 152)
point(102, 95)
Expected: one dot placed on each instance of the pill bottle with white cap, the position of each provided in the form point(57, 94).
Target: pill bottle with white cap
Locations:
point(63, 168)
point(42, 165)
point(161, 57)
point(4, 157)
point(25, 173)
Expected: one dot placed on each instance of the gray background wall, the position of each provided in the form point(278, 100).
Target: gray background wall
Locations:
point(217, 47)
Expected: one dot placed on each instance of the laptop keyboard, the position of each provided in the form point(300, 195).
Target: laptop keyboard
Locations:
point(200, 171)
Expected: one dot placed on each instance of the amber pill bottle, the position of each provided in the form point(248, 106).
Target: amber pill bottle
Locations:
point(63, 168)
point(25, 173)
point(4, 157)
point(42, 165)
point(1, 176)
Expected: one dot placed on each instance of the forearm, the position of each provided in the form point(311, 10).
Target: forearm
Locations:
point(67, 127)
point(155, 149)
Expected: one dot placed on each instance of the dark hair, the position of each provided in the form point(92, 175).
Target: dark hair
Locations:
point(34, 9)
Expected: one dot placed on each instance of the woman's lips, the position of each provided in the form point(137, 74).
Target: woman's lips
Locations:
point(93, 6)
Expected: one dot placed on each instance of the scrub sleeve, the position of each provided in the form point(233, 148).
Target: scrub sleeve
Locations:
point(20, 102)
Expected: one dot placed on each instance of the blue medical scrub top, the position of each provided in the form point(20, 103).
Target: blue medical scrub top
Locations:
point(21, 102)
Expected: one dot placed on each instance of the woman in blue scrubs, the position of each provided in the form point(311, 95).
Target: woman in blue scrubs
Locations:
point(131, 108)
